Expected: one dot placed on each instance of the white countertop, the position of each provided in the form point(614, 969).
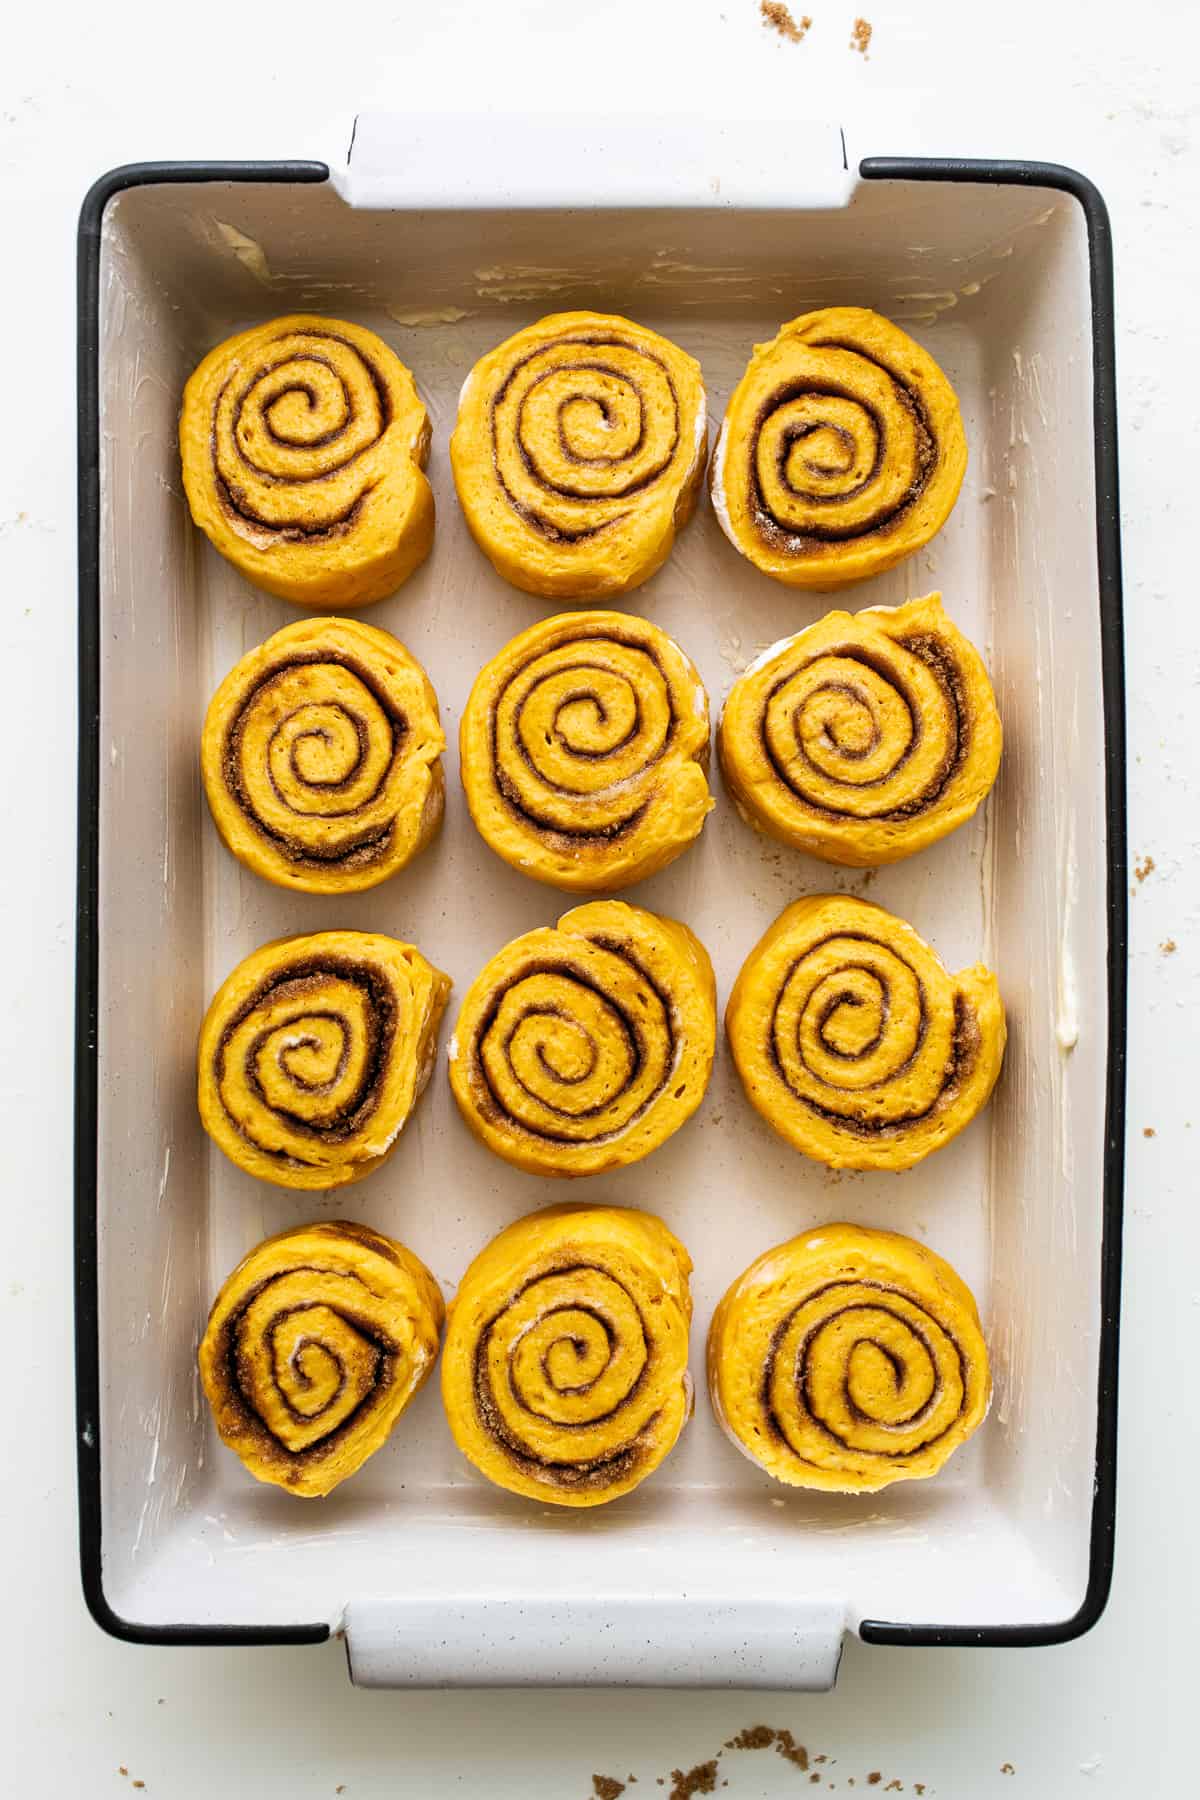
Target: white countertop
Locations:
point(1110, 88)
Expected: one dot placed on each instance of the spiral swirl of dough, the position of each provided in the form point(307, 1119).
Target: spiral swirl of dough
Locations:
point(314, 1052)
point(304, 444)
point(321, 757)
point(315, 1345)
point(578, 453)
point(565, 1369)
point(842, 450)
point(584, 750)
point(866, 737)
point(854, 1041)
point(584, 1046)
point(848, 1359)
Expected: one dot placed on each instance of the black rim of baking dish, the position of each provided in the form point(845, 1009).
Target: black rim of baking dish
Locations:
point(87, 1309)
point(1112, 667)
point(87, 1338)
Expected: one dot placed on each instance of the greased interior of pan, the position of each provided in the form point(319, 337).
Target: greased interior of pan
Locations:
point(722, 1183)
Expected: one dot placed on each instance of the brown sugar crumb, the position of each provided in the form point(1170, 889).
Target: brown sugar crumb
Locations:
point(777, 16)
point(918, 1787)
point(607, 1787)
point(860, 36)
point(754, 1737)
point(874, 1778)
point(1007, 1768)
point(700, 1780)
point(1147, 1131)
point(762, 1737)
point(1143, 866)
point(793, 1752)
point(894, 1787)
point(1169, 947)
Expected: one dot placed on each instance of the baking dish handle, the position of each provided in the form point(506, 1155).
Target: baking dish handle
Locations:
point(642, 1640)
point(398, 161)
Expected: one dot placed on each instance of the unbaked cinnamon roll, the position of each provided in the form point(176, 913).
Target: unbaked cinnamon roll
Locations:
point(864, 738)
point(584, 750)
point(583, 1046)
point(564, 1374)
point(579, 452)
point(854, 1041)
point(321, 757)
point(315, 1345)
point(841, 453)
point(848, 1359)
point(304, 445)
point(314, 1052)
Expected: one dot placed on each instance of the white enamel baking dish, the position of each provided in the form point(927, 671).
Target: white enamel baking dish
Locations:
point(709, 1574)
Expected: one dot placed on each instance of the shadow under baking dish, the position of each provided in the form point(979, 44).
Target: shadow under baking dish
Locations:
point(994, 281)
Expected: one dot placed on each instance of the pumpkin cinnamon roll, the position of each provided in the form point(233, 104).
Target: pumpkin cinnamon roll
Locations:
point(841, 453)
point(564, 1374)
point(583, 1046)
point(321, 757)
point(848, 1359)
point(315, 1345)
point(853, 1040)
point(304, 445)
point(864, 738)
point(579, 452)
point(584, 750)
point(315, 1051)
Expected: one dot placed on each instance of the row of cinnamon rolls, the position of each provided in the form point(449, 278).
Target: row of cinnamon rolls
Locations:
point(584, 747)
point(579, 451)
point(844, 1360)
point(582, 1047)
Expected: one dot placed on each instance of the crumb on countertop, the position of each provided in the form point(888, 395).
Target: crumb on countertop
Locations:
point(777, 16)
point(700, 1780)
point(1148, 1131)
point(860, 36)
point(607, 1787)
point(1143, 866)
point(764, 1737)
point(1168, 947)
point(791, 1751)
point(754, 1737)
